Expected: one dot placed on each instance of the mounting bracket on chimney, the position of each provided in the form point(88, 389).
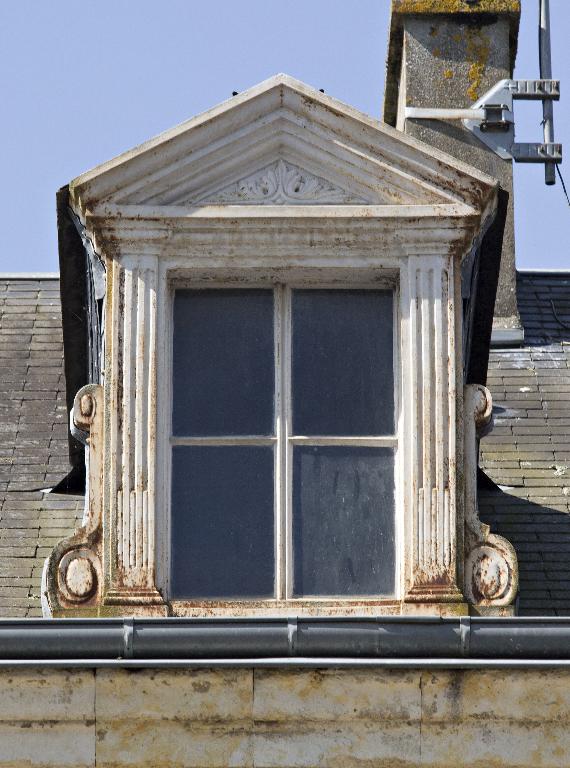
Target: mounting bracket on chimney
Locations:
point(491, 119)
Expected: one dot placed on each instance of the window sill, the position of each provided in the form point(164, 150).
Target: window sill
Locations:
point(307, 608)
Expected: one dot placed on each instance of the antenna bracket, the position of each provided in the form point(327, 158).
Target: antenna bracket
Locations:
point(491, 119)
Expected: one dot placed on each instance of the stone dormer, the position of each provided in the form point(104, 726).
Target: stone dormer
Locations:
point(276, 421)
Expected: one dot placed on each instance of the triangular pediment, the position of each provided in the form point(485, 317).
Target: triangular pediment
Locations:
point(281, 143)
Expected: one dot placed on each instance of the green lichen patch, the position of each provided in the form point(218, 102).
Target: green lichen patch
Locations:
point(456, 6)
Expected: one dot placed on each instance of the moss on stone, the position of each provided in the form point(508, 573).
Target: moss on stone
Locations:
point(456, 6)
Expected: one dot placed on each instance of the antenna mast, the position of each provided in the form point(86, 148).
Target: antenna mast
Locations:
point(545, 56)
point(491, 119)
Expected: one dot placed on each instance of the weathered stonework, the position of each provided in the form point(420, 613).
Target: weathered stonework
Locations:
point(262, 186)
point(305, 718)
point(73, 573)
point(491, 573)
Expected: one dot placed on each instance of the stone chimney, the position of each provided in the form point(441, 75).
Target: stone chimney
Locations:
point(447, 54)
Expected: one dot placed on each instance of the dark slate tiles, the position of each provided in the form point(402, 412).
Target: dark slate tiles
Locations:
point(33, 440)
point(528, 452)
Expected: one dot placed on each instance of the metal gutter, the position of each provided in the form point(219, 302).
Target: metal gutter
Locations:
point(391, 642)
point(539, 271)
point(286, 663)
point(29, 275)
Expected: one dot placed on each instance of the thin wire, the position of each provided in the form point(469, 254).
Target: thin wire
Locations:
point(555, 313)
point(558, 171)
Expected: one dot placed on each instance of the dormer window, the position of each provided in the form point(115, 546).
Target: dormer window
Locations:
point(279, 426)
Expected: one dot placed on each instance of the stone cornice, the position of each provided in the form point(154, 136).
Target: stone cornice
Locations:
point(284, 231)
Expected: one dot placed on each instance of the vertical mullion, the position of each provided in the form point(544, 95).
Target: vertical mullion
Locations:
point(287, 444)
point(278, 449)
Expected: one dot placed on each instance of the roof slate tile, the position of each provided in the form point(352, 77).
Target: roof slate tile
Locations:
point(531, 394)
point(33, 440)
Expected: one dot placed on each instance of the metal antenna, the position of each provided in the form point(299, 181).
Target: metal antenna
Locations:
point(491, 119)
point(546, 74)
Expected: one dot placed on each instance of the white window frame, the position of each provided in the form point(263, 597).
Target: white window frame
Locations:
point(284, 440)
point(138, 386)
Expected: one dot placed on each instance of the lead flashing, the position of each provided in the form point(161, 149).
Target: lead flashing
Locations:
point(507, 337)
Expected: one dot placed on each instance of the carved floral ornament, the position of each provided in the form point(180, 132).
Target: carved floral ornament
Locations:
point(282, 183)
point(292, 220)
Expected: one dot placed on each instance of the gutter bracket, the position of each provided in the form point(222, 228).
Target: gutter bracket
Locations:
point(292, 635)
point(128, 636)
point(465, 635)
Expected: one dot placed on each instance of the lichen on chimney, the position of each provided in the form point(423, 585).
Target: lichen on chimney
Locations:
point(456, 6)
point(478, 46)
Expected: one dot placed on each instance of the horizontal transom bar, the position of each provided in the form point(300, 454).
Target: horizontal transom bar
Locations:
point(388, 441)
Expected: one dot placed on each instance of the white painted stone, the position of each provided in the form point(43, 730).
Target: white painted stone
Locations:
point(281, 182)
point(79, 576)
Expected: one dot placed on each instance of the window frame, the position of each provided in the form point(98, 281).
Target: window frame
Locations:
point(345, 278)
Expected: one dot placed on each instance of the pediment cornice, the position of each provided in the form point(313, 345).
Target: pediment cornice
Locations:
point(283, 143)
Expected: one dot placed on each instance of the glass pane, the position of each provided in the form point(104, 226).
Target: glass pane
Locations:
point(222, 522)
point(343, 521)
point(223, 362)
point(343, 380)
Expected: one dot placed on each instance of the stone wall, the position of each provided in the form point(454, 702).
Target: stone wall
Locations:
point(240, 717)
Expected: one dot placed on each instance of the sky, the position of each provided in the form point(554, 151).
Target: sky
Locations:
point(84, 81)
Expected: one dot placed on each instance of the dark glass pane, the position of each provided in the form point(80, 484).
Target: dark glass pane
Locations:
point(223, 362)
point(222, 522)
point(343, 379)
point(343, 520)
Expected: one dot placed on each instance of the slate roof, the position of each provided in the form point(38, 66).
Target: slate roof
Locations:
point(527, 454)
point(33, 439)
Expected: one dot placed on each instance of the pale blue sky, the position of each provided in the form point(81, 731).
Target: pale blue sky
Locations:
point(82, 82)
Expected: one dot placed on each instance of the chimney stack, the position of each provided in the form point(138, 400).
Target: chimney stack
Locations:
point(447, 54)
